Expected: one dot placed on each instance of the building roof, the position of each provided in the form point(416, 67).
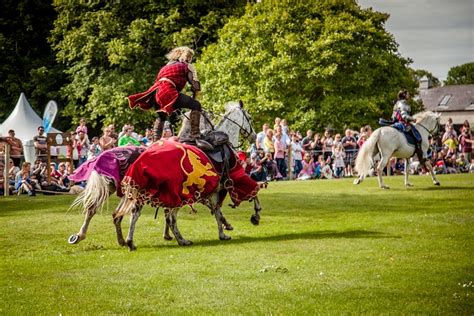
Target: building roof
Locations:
point(448, 98)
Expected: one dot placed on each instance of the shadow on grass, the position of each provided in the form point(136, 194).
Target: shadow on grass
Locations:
point(328, 234)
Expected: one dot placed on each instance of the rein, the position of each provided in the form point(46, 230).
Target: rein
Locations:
point(433, 131)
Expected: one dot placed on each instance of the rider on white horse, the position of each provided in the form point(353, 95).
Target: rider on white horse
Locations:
point(402, 115)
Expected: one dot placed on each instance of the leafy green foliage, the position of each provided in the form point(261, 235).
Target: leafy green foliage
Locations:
point(27, 62)
point(112, 49)
point(315, 63)
point(462, 74)
point(420, 73)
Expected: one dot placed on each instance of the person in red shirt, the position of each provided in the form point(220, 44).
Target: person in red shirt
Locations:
point(165, 95)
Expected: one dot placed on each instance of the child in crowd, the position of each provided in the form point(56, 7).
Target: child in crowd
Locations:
point(296, 152)
point(338, 160)
point(307, 170)
point(94, 149)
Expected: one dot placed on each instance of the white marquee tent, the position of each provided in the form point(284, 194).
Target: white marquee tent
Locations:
point(25, 122)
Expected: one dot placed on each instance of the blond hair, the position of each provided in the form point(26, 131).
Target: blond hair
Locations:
point(182, 53)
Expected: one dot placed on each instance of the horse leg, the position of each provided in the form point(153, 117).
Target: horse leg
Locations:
point(407, 184)
point(430, 169)
point(81, 235)
point(255, 219)
point(222, 195)
point(133, 220)
point(166, 229)
point(118, 223)
point(382, 163)
point(171, 221)
point(220, 223)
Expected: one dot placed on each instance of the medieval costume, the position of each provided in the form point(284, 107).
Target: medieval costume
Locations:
point(402, 115)
point(165, 96)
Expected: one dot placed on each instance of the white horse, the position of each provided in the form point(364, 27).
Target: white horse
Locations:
point(100, 187)
point(388, 142)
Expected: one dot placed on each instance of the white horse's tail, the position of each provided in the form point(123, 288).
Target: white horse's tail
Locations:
point(364, 159)
point(95, 193)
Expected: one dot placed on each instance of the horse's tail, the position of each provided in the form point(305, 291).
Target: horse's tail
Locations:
point(95, 193)
point(364, 159)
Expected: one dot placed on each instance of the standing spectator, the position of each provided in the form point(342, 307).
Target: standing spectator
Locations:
point(338, 158)
point(82, 147)
point(281, 149)
point(268, 145)
point(449, 133)
point(113, 133)
point(362, 139)
point(82, 126)
point(94, 149)
point(296, 152)
point(16, 147)
point(317, 145)
point(40, 144)
point(284, 137)
point(465, 141)
point(349, 143)
point(127, 139)
point(306, 142)
point(327, 141)
point(106, 141)
point(337, 142)
point(261, 136)
point(450, 127)
point(284, 126)
point(72, 151)
point(277, 123)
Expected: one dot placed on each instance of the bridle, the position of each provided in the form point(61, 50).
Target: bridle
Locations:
point(434, 132)
point(245, 133)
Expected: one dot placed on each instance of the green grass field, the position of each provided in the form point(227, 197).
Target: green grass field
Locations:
point(322, 247)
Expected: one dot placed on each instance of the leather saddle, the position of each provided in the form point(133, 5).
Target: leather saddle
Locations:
point(401, 128)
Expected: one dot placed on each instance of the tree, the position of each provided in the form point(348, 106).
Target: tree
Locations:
point(316, 63)
point(28, 64)
point(112, 49)
point(462, 74)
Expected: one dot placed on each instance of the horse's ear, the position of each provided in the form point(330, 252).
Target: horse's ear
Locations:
point(241, 104)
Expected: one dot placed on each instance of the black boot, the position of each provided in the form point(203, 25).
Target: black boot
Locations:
point(158, 129)
point(195, 138)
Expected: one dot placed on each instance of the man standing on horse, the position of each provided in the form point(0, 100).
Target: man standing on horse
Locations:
point(402, 115)
point(165, 95)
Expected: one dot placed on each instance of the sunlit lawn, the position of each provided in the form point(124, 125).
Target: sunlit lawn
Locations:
point(322, 247)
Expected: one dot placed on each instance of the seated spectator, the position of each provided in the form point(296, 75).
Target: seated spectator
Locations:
point(462, 163)
point(12, 172)
point(399, 167)
point(258, 170)
point(307, 170)
point(23, 181)
point(272, 168)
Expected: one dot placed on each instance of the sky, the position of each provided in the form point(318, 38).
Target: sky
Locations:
point(435, 34)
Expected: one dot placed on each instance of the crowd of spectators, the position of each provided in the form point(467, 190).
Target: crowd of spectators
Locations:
point(27, 178)
point(326, 154)
point(330, 154)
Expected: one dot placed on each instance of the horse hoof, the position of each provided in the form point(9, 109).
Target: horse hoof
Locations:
point(185, 242)
point(408, 185)
point(131, 246)
point(225, 237)
point(385, 187)
point(228, 227)
point(437, 183)
point(121, 242)
point(357, 181)
point(167, 238)
point(73, 239)
point(255, 220)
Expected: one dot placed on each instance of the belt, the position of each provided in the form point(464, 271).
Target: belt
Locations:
point(168, 80)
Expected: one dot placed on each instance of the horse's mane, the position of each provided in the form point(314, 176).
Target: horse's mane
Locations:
point(422, 115)
point(229, 106)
